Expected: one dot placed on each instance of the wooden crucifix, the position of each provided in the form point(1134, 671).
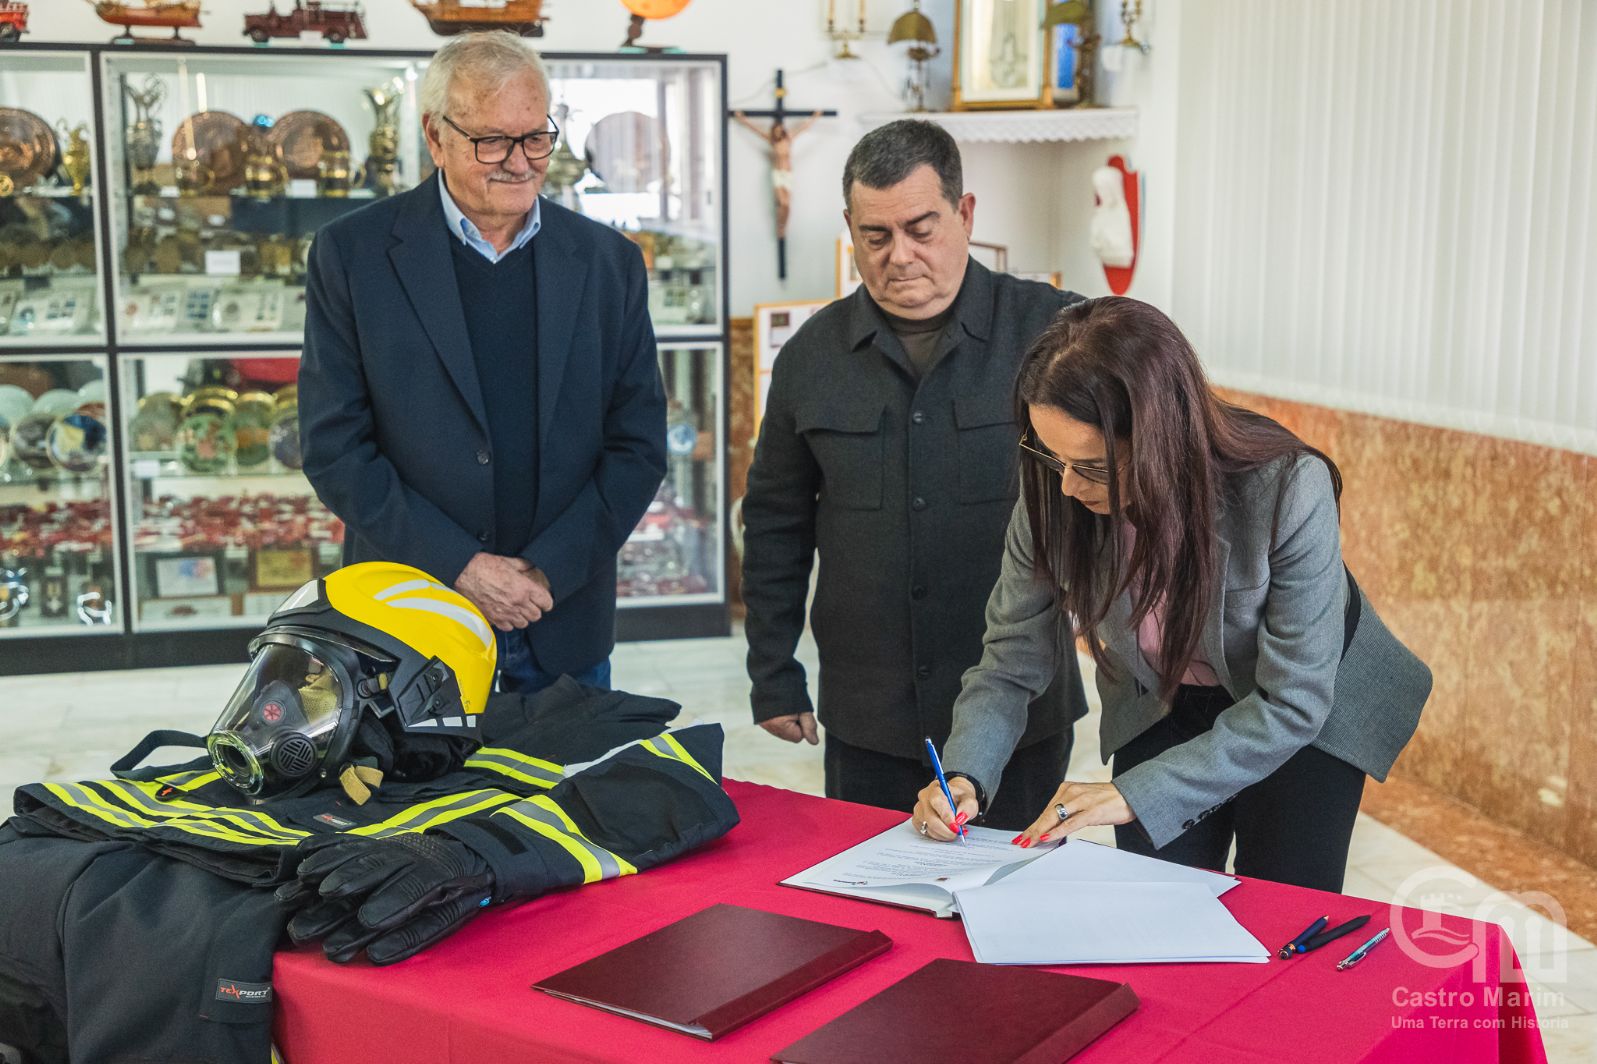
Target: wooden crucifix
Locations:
point(780, 139)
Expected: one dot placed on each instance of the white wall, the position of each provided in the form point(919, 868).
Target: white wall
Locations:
point(1035, 199)
point(1391, 209)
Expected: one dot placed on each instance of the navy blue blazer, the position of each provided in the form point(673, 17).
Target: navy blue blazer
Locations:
point(392, 422)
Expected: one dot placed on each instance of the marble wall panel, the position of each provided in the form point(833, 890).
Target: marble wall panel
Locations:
point(1481, 554)
point(1581, 808)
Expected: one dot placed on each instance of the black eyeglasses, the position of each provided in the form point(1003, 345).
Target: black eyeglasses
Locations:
point(1093, 474)
point(497, 147)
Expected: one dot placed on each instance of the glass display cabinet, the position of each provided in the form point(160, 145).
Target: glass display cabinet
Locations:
point(675, 554)
point(640, 149)
point(58, 552)
point(225, 165)
point(157, 207)
point(222, 523)
point(49, 284)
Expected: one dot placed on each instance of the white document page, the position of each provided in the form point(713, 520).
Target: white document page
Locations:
point(1037, 922)
point(901, 867)
point(1080, 861)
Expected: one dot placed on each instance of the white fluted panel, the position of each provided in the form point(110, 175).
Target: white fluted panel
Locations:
point(1390, 208)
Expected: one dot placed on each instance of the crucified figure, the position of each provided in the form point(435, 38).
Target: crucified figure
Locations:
point(781, 142)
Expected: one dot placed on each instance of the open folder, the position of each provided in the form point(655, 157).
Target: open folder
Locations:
point(900, 867)
point(715, 970)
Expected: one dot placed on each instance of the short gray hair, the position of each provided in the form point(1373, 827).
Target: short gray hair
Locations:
point(888, 154)
point(492, 58)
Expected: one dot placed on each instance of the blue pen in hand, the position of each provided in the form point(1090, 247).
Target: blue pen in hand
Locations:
point(942, 781)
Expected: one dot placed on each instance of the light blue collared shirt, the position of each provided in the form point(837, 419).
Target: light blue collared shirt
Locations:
point(467, 233)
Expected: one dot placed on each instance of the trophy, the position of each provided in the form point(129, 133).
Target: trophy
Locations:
point(143, 137)
point(381, 171)
point(75, 159)
point(265, 174)
point(332, 174)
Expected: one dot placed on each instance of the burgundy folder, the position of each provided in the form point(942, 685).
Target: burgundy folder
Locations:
point(715, 970)
point(971, 1013)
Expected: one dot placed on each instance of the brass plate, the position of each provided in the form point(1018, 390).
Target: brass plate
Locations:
point(219, 142)
point(28, 149)
point(304, 137)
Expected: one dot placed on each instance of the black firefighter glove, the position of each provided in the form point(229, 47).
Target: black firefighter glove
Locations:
point(391, 897)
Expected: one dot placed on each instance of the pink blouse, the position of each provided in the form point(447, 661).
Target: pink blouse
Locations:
point(1150, 634)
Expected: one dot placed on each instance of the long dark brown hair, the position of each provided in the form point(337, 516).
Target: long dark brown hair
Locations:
point(1123, 367)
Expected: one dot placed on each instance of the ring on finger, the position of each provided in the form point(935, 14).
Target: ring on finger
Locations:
point(922, 828)
point(1061, 811)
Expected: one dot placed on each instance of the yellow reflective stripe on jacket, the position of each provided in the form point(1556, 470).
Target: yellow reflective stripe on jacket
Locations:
point(141, 797)
point(542, 815)
point(438, 811)
point(82, 796)
point(674, 751)
point(532, 770)
point(186, 781)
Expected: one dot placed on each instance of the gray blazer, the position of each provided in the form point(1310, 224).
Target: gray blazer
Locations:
point(1275, 638)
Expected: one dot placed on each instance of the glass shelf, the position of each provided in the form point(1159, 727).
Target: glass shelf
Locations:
point(228, 166)
point(223, 524)
point(50, 291)
point(57, 536)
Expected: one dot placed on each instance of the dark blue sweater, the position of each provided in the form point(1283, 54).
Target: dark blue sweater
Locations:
point(500, 301)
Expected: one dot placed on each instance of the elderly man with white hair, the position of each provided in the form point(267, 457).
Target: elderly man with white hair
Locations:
point(480, 395)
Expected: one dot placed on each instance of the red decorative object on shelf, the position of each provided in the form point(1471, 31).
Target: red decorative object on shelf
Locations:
point(336, 23)
point(13, 20)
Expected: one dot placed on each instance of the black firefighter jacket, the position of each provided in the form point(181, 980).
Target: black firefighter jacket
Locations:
point(904, 488)
point(133, 921)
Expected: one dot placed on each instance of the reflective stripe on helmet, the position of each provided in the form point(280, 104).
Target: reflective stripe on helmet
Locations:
point(542, 815)
point(517, 766)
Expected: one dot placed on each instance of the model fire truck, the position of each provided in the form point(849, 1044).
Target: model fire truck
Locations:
point(336, 23)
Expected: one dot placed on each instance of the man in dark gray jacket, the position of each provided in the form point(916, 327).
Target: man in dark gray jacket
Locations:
point(888, 449)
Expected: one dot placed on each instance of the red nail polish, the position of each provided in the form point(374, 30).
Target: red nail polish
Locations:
point(1015, 841)
point(1026, 845)
point(961, 818)
point(1042, 838)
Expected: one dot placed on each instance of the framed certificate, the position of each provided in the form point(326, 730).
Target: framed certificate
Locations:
point(187, 575)
point(283, 567)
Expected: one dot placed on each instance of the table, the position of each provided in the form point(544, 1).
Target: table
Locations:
point(467, 1000)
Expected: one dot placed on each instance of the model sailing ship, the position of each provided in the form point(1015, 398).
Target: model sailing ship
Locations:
point(176, 14)
point(449, 17)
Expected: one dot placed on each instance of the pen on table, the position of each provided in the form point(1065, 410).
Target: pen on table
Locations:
point(1357, 955)
point(1296, 945)
point(942, 781)
point(1326, 937)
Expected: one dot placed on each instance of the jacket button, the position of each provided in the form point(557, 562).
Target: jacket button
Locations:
point(482, 457)
point(482, 537)
point(923, 672)
point(918, 417)
point(1187, 824)
point(917, 504)
point(918, 591)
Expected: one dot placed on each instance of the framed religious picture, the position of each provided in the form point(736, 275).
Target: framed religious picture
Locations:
point(774, 325)
point(1000, 55)
point(848, 277)
point(993, 256)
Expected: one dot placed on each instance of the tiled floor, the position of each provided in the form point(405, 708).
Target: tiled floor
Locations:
point(71, 727)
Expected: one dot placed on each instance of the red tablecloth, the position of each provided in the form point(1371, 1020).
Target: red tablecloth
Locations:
point(467, 1000)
